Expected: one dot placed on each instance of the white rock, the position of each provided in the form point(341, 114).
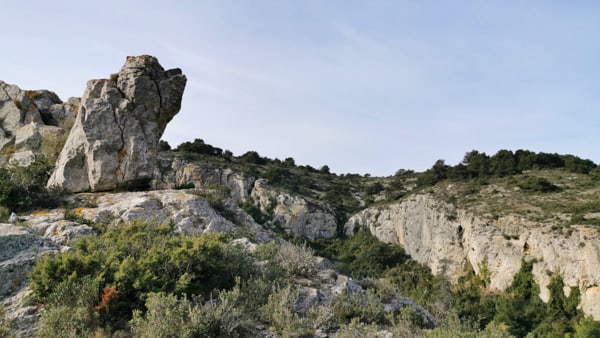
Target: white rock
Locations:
point(114, 139)
point(13, 218)
point(294, 214)
point(32, 123)
point(444, 238)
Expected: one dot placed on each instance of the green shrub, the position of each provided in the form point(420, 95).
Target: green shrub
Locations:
point(197, 147)
point(361, 255)
point(296, 260)
point(357, 329)
point(170, 316)
point(69, 310)
point(537, 184)
point(260, 217)
point(266, 251)
point(587, 327)
point(24, 188)
point(363, 306)
point(163, 146)
point(520, 306)
point(279, 313)
point(140, 258)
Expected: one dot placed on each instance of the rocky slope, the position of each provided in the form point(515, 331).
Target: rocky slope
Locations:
point(445, 238)
point(189, 211)
point(106, 143)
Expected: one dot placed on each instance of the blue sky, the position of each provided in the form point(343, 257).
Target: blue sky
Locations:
point(362, 86)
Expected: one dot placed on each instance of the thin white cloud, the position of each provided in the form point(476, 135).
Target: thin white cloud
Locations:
point(359, 38)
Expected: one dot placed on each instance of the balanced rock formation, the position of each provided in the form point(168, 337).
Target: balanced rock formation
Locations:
point(445, 238)
point(33, 123)
point(120, 121)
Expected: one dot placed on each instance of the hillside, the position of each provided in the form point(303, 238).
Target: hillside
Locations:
point(327, 211)
point(111, 233)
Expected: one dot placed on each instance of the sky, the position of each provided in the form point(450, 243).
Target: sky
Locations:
point(361, 86)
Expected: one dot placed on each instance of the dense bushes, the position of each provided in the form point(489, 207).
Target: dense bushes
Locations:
point(24, 188)
point(170, 316)
point(523, 312)
point(69, 310)
point(143, 280)
point(197, 147)
point(537, 184)
point(503, 163)
point(141, 258)
point(361, 255)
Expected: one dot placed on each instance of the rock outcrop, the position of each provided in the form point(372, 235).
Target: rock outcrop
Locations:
point(445, 238)
point(49, 232)
point(33, 123)
point(115, 136)
point(173, 173)
point(190, 213)
point(293, 214)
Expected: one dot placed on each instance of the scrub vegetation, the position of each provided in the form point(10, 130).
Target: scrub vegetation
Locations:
point(142, 279)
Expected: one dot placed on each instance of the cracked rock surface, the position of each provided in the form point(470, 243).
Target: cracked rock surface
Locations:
point(32, 123)
point(120, 121)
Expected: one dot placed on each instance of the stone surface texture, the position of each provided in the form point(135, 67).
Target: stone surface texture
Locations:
point(48, 232)
point(114, 139)
point(173, 173)
point(33, 123)
point(293, 214)
point(437, 234)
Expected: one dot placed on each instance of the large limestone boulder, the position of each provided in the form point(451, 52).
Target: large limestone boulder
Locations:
point(33, 123)
point(445, 238)
point(114, 139)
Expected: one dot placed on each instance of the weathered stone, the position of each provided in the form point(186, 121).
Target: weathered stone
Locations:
point(294, 214)
point(22, 315)
point(177, 173)
point(33, 123)
point(437, 234)
point(64, 232)
point(114, 139)
point(19, 251)
point(189, 213)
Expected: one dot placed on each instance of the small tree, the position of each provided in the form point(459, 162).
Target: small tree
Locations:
point(163, 146)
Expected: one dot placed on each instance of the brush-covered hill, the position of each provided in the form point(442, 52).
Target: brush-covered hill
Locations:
point(105, 231)
point(475, 253)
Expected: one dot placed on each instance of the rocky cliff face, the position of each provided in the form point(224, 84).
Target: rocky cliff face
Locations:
point(444, 238)
point(173, 173)
point(294, 215)
point(32, 123)
point(114, 138)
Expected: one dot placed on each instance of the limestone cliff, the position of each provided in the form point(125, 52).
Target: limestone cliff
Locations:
point(445, 238)
point(294, 214)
